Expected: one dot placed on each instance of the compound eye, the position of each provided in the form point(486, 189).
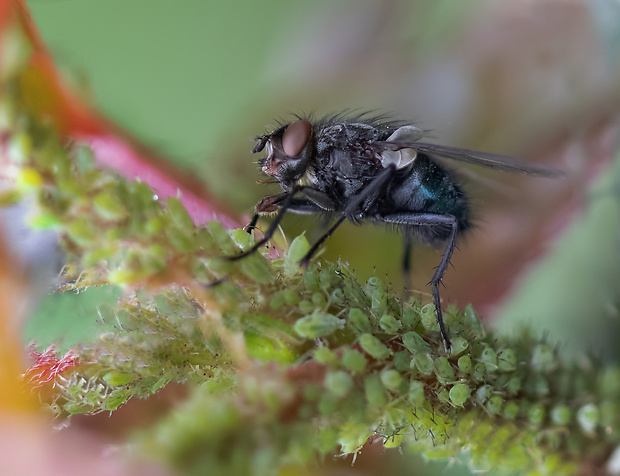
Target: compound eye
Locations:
point(295, 137)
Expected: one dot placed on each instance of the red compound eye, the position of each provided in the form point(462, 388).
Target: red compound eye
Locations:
point(296, 137)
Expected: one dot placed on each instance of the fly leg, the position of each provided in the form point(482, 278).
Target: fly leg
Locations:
point(250, 226)
point(311, 201)
point(306, 259)
point(266, 205)
point(356, 207)
point(406, 264)
point(432, 219)
point(286, 202)
point(361, 202)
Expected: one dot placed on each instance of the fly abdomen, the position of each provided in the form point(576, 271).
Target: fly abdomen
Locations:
point(426, 188)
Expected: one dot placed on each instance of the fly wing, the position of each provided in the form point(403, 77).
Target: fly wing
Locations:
point(493, 161)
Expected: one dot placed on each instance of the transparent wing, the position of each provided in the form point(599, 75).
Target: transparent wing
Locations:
point(483, 159)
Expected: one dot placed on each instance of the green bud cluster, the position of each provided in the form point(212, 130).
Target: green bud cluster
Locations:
point(287, 364)
point(159, 341)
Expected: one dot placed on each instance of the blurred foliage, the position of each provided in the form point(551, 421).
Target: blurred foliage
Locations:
point(573, 295)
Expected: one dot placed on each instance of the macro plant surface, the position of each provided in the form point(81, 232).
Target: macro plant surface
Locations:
point(284, 364)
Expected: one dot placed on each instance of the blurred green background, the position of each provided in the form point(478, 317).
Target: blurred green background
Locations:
point(197, 80)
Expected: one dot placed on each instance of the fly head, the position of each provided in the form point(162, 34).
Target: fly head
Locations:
point(288, 151)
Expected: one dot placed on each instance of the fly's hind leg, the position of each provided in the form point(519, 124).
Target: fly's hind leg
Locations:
point(431, 219)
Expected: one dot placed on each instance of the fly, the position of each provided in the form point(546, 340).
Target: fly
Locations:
point(362, 168)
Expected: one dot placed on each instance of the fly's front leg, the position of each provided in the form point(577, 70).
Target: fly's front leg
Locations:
point(250, 226)
point(305, 261)
point(432, 219)
point(311, 201)
point(265, 206)
point(271, 204)
point(286, 197)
